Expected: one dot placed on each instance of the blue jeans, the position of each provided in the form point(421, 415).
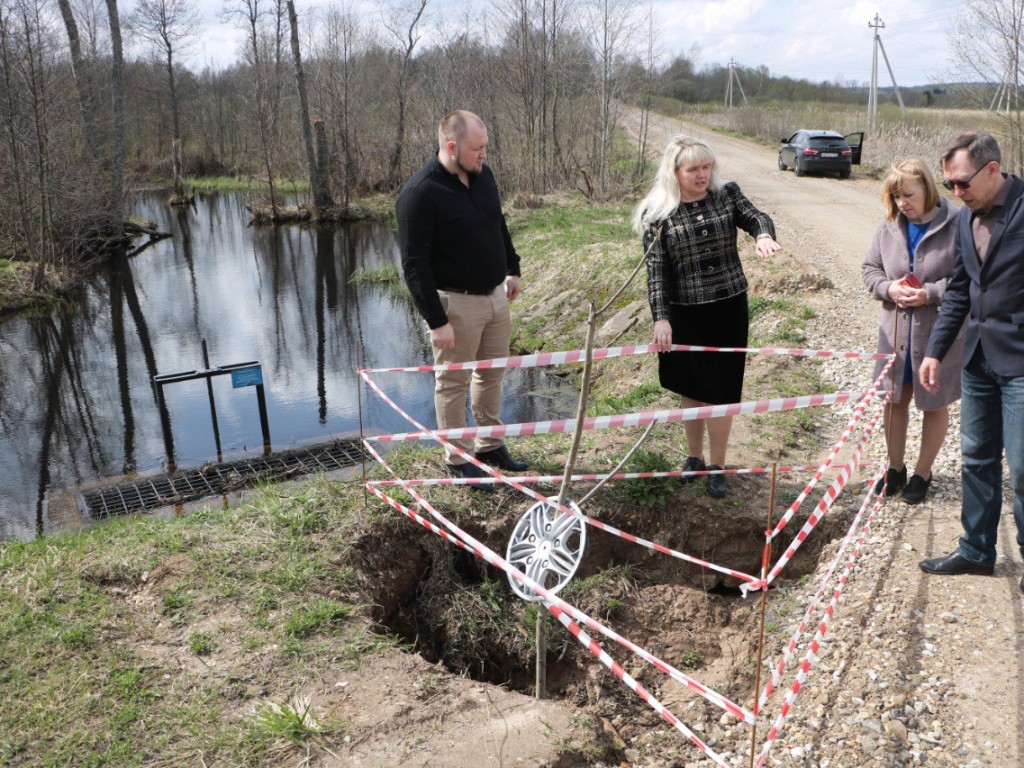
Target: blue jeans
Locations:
point(991, 419)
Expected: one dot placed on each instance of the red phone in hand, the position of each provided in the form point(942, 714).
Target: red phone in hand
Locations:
point(911, 281)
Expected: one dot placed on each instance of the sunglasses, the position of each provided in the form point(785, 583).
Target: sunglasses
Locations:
point(966, 183)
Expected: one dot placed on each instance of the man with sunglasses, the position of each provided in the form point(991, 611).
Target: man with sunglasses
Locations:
point(986, 289)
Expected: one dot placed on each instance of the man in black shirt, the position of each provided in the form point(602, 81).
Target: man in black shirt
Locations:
point(462, 270)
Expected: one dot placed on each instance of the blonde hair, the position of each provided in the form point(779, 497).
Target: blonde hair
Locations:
point(664, 196)
point(896, 181)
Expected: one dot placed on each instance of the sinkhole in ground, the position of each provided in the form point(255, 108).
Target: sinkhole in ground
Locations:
point(454, 609)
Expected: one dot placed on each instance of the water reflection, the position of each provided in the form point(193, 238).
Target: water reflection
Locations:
point(76, 399)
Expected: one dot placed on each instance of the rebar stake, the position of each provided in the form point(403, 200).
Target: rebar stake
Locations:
point(765, 560)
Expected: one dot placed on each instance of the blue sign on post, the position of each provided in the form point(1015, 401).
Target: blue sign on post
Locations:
point(251, 376)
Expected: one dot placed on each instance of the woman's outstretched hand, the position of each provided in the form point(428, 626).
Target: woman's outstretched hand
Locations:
point(766, 246)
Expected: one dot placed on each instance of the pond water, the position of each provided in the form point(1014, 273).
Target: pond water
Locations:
point(77, 402)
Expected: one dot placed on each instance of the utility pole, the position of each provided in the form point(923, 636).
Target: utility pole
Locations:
point(733, 75)
point(1001, 100)
point(878, 24)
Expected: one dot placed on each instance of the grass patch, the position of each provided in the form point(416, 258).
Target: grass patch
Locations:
point(245, 184)
point(637, 399)
point(93, 627)
point(292, 722)
point(652, 492)
point(320, 615)
point(778, 321)
point(200, 643)
point(386, 276)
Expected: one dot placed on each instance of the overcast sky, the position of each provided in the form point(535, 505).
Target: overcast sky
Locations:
point(821, 40)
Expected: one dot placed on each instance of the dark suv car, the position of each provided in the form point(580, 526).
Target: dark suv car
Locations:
point(809, 151)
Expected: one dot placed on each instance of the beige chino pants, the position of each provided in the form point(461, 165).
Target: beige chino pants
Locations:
point(482, 327)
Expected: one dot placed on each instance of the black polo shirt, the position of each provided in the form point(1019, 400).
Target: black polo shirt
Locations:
point(452, 237)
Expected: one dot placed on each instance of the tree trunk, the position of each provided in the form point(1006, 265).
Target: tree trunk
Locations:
point(172, 92)
point(409, 39)
point(116, 208)
point(321, 191)
point(322, 165)
point(81, 82)
point(179, 184)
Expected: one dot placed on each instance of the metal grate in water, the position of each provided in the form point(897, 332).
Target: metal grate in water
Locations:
point(192, 484)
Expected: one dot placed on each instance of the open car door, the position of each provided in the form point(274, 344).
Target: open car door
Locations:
point(856, 142)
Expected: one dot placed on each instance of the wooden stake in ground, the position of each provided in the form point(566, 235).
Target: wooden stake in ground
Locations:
point(765, 560)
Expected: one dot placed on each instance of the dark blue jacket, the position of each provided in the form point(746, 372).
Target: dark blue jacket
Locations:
point(990, 295)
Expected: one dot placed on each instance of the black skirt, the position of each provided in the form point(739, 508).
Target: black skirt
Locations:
point(709, 377)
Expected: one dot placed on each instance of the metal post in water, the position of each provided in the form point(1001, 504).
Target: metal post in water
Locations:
point(213, 404)
point(165, 424)
point(261, 401)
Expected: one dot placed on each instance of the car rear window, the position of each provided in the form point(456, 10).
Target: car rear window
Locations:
point(828, 141)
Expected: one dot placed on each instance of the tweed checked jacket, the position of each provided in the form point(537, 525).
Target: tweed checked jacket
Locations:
point(696, 261)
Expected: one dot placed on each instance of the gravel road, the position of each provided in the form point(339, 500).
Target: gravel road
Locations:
point(916, 669)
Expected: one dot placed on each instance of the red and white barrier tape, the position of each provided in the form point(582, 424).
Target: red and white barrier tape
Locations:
point(666, 714)
point(754, 581)
point(514, 482)
point(826, 501)
point(642, 419)
point(553, 601)
point(562, 610)
point(595, 477)
point(791, 646)
point(816, 642)
point(854, 420)
point(544, 359)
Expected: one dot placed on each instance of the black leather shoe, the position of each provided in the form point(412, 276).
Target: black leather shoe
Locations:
point(500, 458)
point(916, 489)
point(1022, 583)
point(955, 564)
point(892, 481)
point(692, 464)
point(716, 483)
point(470, 471)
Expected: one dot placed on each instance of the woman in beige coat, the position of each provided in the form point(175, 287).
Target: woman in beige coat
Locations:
point(907, 268)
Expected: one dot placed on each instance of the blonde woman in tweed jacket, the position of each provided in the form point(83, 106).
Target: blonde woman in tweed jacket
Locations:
point(697, 289)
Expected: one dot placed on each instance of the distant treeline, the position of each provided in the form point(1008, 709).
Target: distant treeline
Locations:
point(351, 96)
point(681, 80)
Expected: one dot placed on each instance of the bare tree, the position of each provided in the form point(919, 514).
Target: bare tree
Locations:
point(321, 192)
point(33, 73)
point(168, 27)
point(250, 15)
point(650, 71)
point(613, 26)
point(117, 104)
point(15, 164)
point(81, 80)
point(403, 23)
point(92, 28)
point(987, 41)
point(341, 50)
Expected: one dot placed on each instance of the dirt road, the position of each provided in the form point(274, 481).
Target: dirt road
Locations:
point(940, 656)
